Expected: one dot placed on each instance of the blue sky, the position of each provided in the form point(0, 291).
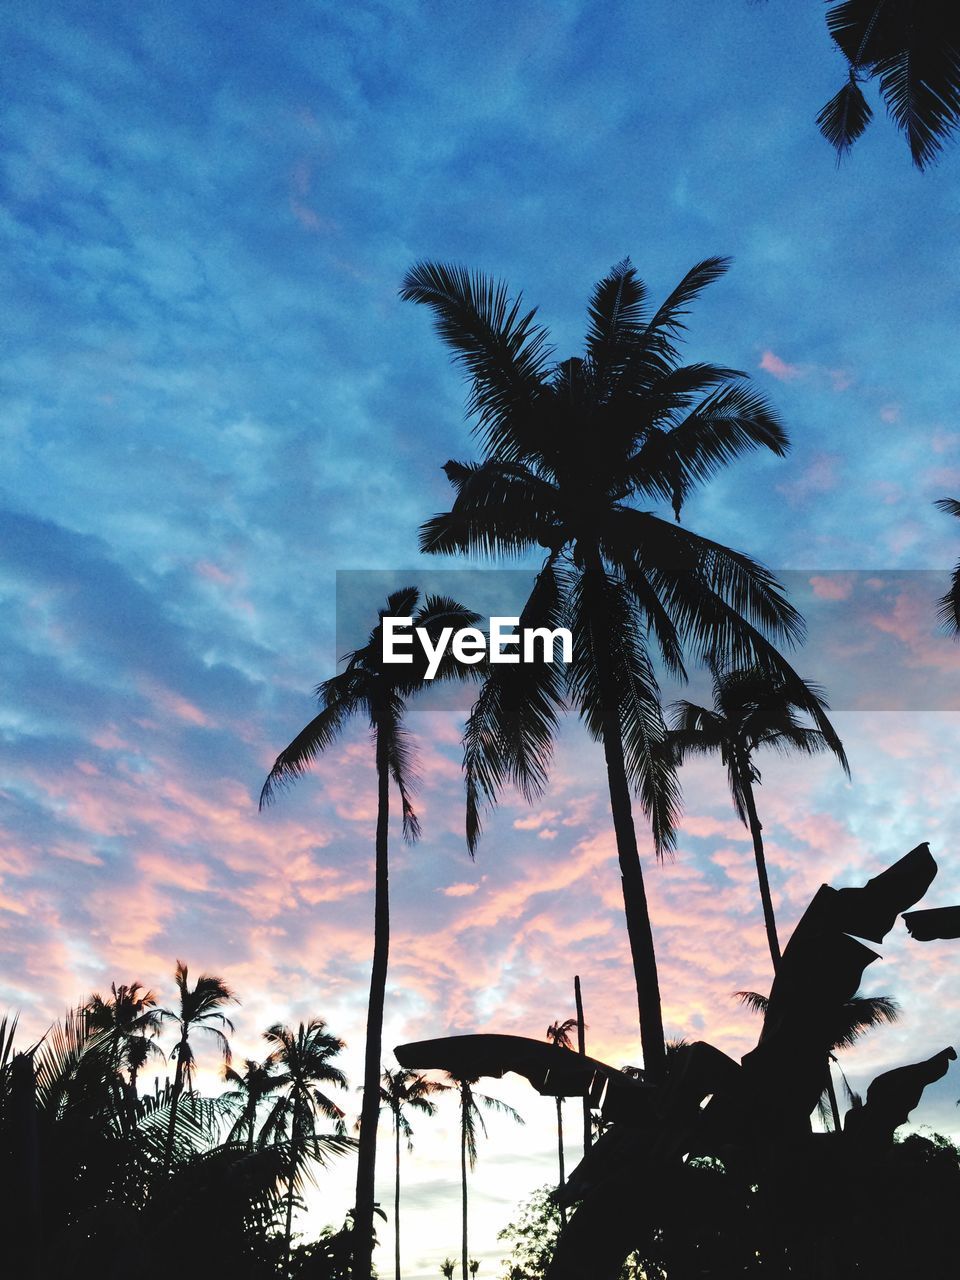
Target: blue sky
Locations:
point(214, 400)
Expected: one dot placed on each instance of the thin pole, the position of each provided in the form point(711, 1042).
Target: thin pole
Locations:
point(582, 1050)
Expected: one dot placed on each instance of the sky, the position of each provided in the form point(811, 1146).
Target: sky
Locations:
point(214, 401)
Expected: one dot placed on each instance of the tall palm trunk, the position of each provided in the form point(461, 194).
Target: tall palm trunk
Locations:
point(635, 906)
point(175, 1095)
point(291, 1177)
point(563, 1212)
point(370, 1109)
point(463, 1180)
point(396, 1200)
point(756, 828)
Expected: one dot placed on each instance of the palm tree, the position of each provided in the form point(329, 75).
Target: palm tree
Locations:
point(950, 603)
point(379, 691)
point(913, 48)
point(302, 1061)
point(855, 1017)
point(199, 1009)
point(558, 1033)
point(567, 450)
point(400, 1090)
point(250, 1088)
point(137, 1051)
point(752, 709)
point(471, 1119)
point(127, 1011)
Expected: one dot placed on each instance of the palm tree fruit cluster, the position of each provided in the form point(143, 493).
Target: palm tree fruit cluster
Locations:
point(715, 1169)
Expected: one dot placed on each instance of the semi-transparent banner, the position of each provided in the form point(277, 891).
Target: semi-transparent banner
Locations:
point(874, 638)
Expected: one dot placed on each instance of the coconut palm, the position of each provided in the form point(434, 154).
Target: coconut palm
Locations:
point(128, 1011)
point(472, 1106)
point(568, 450)
point(912, 47)
point(950, 603)
point(753, 708)
point(200, 1009)
point(379, 691)
point(855, 1018)
point(401, 1090)
point(558, 1033)
point(251, 1087)
point(302, 1060)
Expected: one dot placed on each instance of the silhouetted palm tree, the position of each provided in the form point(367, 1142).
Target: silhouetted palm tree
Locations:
point(558, 1033)
point(950, 603)
point(301, 1060)
point(250, 1088)
point(568, 448)
point(127, 1011)
point(855, 1017)
point(400, 1090)
point(752, 709)
point(199, 1009)
point(912, 47)
point(379, 691)
point(471, 1119)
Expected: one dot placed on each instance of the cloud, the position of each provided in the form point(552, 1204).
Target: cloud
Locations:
point(784, 372)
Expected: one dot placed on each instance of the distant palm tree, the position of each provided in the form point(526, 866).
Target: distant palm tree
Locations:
point(753, 709)
point(250, 1088)
point(379, 691)
point(568, 450)
point(558, 1033)
point(950, 603)
point(913, 48)
point(199, 1009)
point(447, 1268)
point(855, 1017)
point(400, 1090)
point(471, 1119)
point(127, 1011)
point(302, 1060)
point(137, 1051)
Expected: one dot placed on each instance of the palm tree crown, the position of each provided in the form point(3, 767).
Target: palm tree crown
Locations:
point(569, 450)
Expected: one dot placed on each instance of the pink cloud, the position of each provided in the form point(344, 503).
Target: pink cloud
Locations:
point(459, 890)
point(773, 364)
point(835, 587)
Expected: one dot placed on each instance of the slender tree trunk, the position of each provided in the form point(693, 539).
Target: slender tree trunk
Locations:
point(175, 1093)
point(563, 1178)
point(396, 1202)
point(631, 873)
point(582, 1050)
point(370, 1109)
point(288, 1226)
point(756, 828)
point(463, 1179)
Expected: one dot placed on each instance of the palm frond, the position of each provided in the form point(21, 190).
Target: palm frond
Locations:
point(504, 352)
point(608, 634)
point(340, 699)
point(510, 730)
point(845, 116)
